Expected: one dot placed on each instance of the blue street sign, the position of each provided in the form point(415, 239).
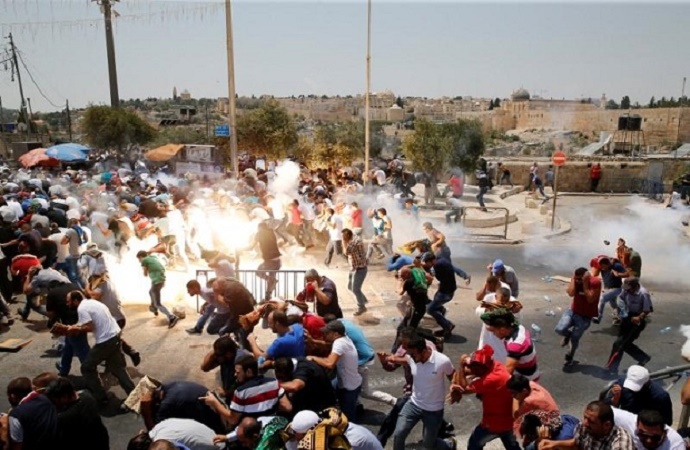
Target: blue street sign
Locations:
point(223, 130)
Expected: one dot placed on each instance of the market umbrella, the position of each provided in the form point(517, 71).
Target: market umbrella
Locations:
point(66, 153)
point(164, 152)
point(74, 145)
point(37, 157)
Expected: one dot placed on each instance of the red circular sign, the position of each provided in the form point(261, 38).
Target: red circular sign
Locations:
point(558, 158)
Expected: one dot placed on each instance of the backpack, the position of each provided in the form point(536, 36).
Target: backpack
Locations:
point(419, 278)
point(328, 434)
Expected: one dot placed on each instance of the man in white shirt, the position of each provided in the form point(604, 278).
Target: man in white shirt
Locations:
point(308, 211)
point(430, 369)
point(648, 430)
point(343, 358)
point(334, 226)
point(94, 317)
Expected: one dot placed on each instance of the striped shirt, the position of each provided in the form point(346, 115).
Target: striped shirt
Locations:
point(520, 347)
point(257, 397)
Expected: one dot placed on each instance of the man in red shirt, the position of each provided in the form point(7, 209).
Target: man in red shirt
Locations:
point(488, 379)
point(595, 176)
point(585, 290)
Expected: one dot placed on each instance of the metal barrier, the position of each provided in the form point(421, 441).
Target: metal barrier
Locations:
point(289, 283)
point(463, 214)
point(676, 373)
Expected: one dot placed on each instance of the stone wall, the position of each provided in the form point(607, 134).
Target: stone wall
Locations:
point(617, 177)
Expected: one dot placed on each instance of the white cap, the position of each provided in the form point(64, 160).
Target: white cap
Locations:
point(636, 378)
point(304, 421)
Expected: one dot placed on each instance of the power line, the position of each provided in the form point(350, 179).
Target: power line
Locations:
point(36, 84)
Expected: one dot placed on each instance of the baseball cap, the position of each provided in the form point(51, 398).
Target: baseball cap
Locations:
point(497, 266)
point(636, 378)
point(304, 421)
point(428, 256)
point(335, 326)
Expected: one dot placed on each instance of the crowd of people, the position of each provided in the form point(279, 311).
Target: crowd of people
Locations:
point(62, 232)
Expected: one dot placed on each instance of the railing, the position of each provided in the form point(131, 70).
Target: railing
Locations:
point(289, 283)
point(676, 373)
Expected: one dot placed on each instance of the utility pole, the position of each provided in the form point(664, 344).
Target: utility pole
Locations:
point(231, 89)
point(106, 8)
point(680, 114)
point(367, 136)
point(208, 132)
point(31, 115)
point(22, 108)
point(69, 120)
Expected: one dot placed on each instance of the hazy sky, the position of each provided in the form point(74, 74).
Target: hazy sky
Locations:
point(559, 50)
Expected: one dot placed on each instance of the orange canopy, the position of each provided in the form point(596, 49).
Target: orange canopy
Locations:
point(164, 152)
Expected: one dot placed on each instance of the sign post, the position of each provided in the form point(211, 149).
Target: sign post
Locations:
point(558, 160)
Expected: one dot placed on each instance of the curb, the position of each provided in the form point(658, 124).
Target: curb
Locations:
point(565, 228)
point(596, 194)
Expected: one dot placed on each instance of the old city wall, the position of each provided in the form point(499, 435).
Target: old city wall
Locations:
point(660, 125)
point(616, 176)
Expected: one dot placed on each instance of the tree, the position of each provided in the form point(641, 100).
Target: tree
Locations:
point(491, 105)
point(434, 148)
point(611, 104)
point(652, 103)
point(182, 135)
point(497, 102)
point(267, 130)
point(625, 102)
point(115, 128)
point(399, 102)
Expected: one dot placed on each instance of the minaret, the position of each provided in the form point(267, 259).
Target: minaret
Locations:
point(174, 93)
point(603, 101)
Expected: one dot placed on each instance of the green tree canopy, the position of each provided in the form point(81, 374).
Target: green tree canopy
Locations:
point(115, 128)
point(267, 130)
point(625, 102)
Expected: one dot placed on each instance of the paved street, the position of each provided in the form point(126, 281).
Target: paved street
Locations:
point(172, 354)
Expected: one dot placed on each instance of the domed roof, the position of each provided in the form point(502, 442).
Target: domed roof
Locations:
point(520, 95)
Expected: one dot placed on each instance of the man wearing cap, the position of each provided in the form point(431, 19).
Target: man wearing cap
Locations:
point(635, 305)
point(506, 274)
point(343, 358)
point(635, 392)
point(322, 290)
point(480, 374)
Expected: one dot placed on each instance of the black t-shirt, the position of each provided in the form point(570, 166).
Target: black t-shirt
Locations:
point(318, 393)
point(56, 301)
point(443, 270)
point(181, 401)
point(268, 244)
point(80, 426)
point(49, 249)
point(58, 216)
point(328, 288)
point(419, 298)
point(33, 239)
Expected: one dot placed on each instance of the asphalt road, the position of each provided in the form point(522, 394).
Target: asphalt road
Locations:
point(172, 354)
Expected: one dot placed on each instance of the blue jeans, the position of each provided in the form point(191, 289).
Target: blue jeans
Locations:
point(354, 284)
point(480, 197)
point(572, 325)
point(72, 270)
point(481, 436)
point(348, 402)
point(203, 318)
point(541, 191)
point(459, 272)
point(155, 294)
point(436, 310)
point(217, 323)
point(74, 346)
point(30, 299)
point(432, 421)
point(267, 271)
point(608, 297)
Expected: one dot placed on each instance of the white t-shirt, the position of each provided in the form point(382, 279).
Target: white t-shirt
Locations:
point(62, 249)
point(335, 233)
point(380, 177)
point(429, 385)
point(628, 421)
point(278, 209)
point(348, 375)
point(307, 210)
point(104, 325)
point(194, 435)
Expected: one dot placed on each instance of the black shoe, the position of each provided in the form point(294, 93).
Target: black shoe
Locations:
point(21, 314)
point(59, 369)
point(360, 311)
point(644, 361)
point(154, 310)
point(565, 341)
point(136, 358)
point(448, 332)
point(173, 321)
point(193, 331)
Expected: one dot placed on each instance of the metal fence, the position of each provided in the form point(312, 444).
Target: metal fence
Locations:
point(289, 282)
point(462, 213)
point(673, 373)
